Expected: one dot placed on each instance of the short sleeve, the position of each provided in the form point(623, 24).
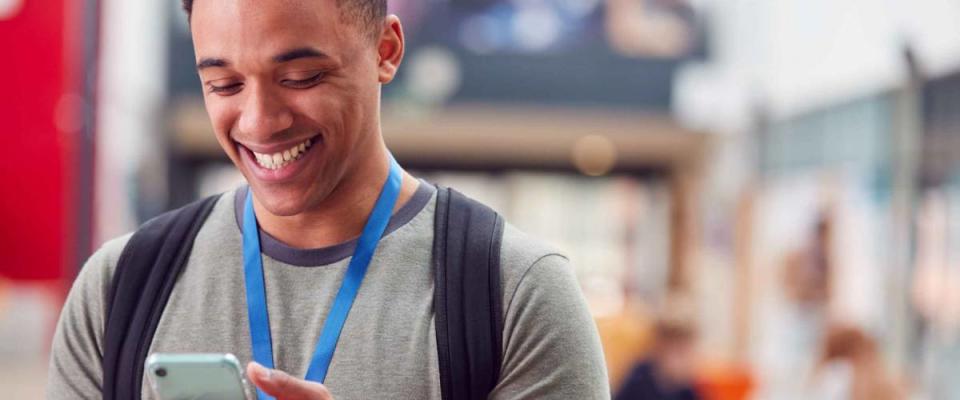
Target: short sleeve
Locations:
point(551, 346)
point(77, 351)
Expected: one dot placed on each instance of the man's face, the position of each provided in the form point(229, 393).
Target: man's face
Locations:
point(293, 92)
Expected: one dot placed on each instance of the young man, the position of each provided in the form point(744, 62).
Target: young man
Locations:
point(293, 91)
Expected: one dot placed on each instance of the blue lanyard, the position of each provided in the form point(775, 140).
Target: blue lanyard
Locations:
point(256, 291)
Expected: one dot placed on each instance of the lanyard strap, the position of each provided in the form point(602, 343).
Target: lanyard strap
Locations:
point(256, 291)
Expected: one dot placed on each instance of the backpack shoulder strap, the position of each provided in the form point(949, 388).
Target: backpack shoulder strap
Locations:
point(142, 282)
point(467, 307)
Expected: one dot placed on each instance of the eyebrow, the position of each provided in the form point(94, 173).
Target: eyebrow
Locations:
point(302, 52)
point(298, 53)
point(211, 62)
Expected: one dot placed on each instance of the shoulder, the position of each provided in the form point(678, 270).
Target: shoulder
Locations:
point(92, 285)
point(78, 343)
point(521, 253)
point(99, 268)
point(102, 264)
point(520, 248)
point(550, 343)
point(522, 256)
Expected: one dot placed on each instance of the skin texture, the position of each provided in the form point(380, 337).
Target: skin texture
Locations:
point(283, 386)
point(324, 85)
point(257, 102)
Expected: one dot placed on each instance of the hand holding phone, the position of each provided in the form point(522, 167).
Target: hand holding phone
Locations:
point(196, 376)
point(282, 386)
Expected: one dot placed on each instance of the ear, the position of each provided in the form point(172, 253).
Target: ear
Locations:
point(390, 48)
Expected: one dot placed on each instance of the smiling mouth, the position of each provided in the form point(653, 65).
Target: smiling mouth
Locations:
point(283, 158)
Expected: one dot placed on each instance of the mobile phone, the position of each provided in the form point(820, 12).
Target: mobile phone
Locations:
point(207, 376)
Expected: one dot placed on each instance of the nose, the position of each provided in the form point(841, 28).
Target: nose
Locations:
point(263, 113)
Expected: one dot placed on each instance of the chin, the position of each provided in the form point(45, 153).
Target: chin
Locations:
point(283, 209)
point(281, 203)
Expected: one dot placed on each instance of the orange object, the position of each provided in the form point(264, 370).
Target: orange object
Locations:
point(626, 337)
point(725, 382)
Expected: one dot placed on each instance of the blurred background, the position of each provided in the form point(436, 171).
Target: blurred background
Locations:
point(761, 198)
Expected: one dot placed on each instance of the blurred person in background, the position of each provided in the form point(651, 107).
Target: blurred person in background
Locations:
point(862, 375)
point(808, 270)
point(293, 92)
point(668, 373)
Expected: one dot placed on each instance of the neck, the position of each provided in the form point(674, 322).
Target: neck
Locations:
point(342, 215)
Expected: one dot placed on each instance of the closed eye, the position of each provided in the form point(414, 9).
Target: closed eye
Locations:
point(304, 83)
point(225, 90)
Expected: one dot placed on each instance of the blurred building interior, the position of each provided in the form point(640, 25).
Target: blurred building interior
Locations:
point(787, 172)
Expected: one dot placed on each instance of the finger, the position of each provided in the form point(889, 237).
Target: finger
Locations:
point(283, 386)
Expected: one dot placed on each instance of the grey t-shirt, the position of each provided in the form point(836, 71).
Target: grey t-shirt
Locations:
point(388, 345)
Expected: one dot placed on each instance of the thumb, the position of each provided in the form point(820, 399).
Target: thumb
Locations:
point(279, 384)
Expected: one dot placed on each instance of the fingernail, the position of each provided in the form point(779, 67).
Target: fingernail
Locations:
point(263, 373)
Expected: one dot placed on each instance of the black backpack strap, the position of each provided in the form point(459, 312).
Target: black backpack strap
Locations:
point(468, 312)
point(142, 282)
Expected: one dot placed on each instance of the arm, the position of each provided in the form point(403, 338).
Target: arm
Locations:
point(77, 351)
point(551, 345)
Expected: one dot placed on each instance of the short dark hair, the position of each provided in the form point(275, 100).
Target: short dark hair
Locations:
point(366, 13)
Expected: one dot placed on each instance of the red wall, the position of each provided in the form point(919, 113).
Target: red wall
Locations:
point(38, 67)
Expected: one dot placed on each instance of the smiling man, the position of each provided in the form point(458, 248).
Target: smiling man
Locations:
point(331, 236)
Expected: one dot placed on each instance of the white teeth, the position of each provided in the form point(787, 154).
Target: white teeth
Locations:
point(264, 160)
point(280, 159)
